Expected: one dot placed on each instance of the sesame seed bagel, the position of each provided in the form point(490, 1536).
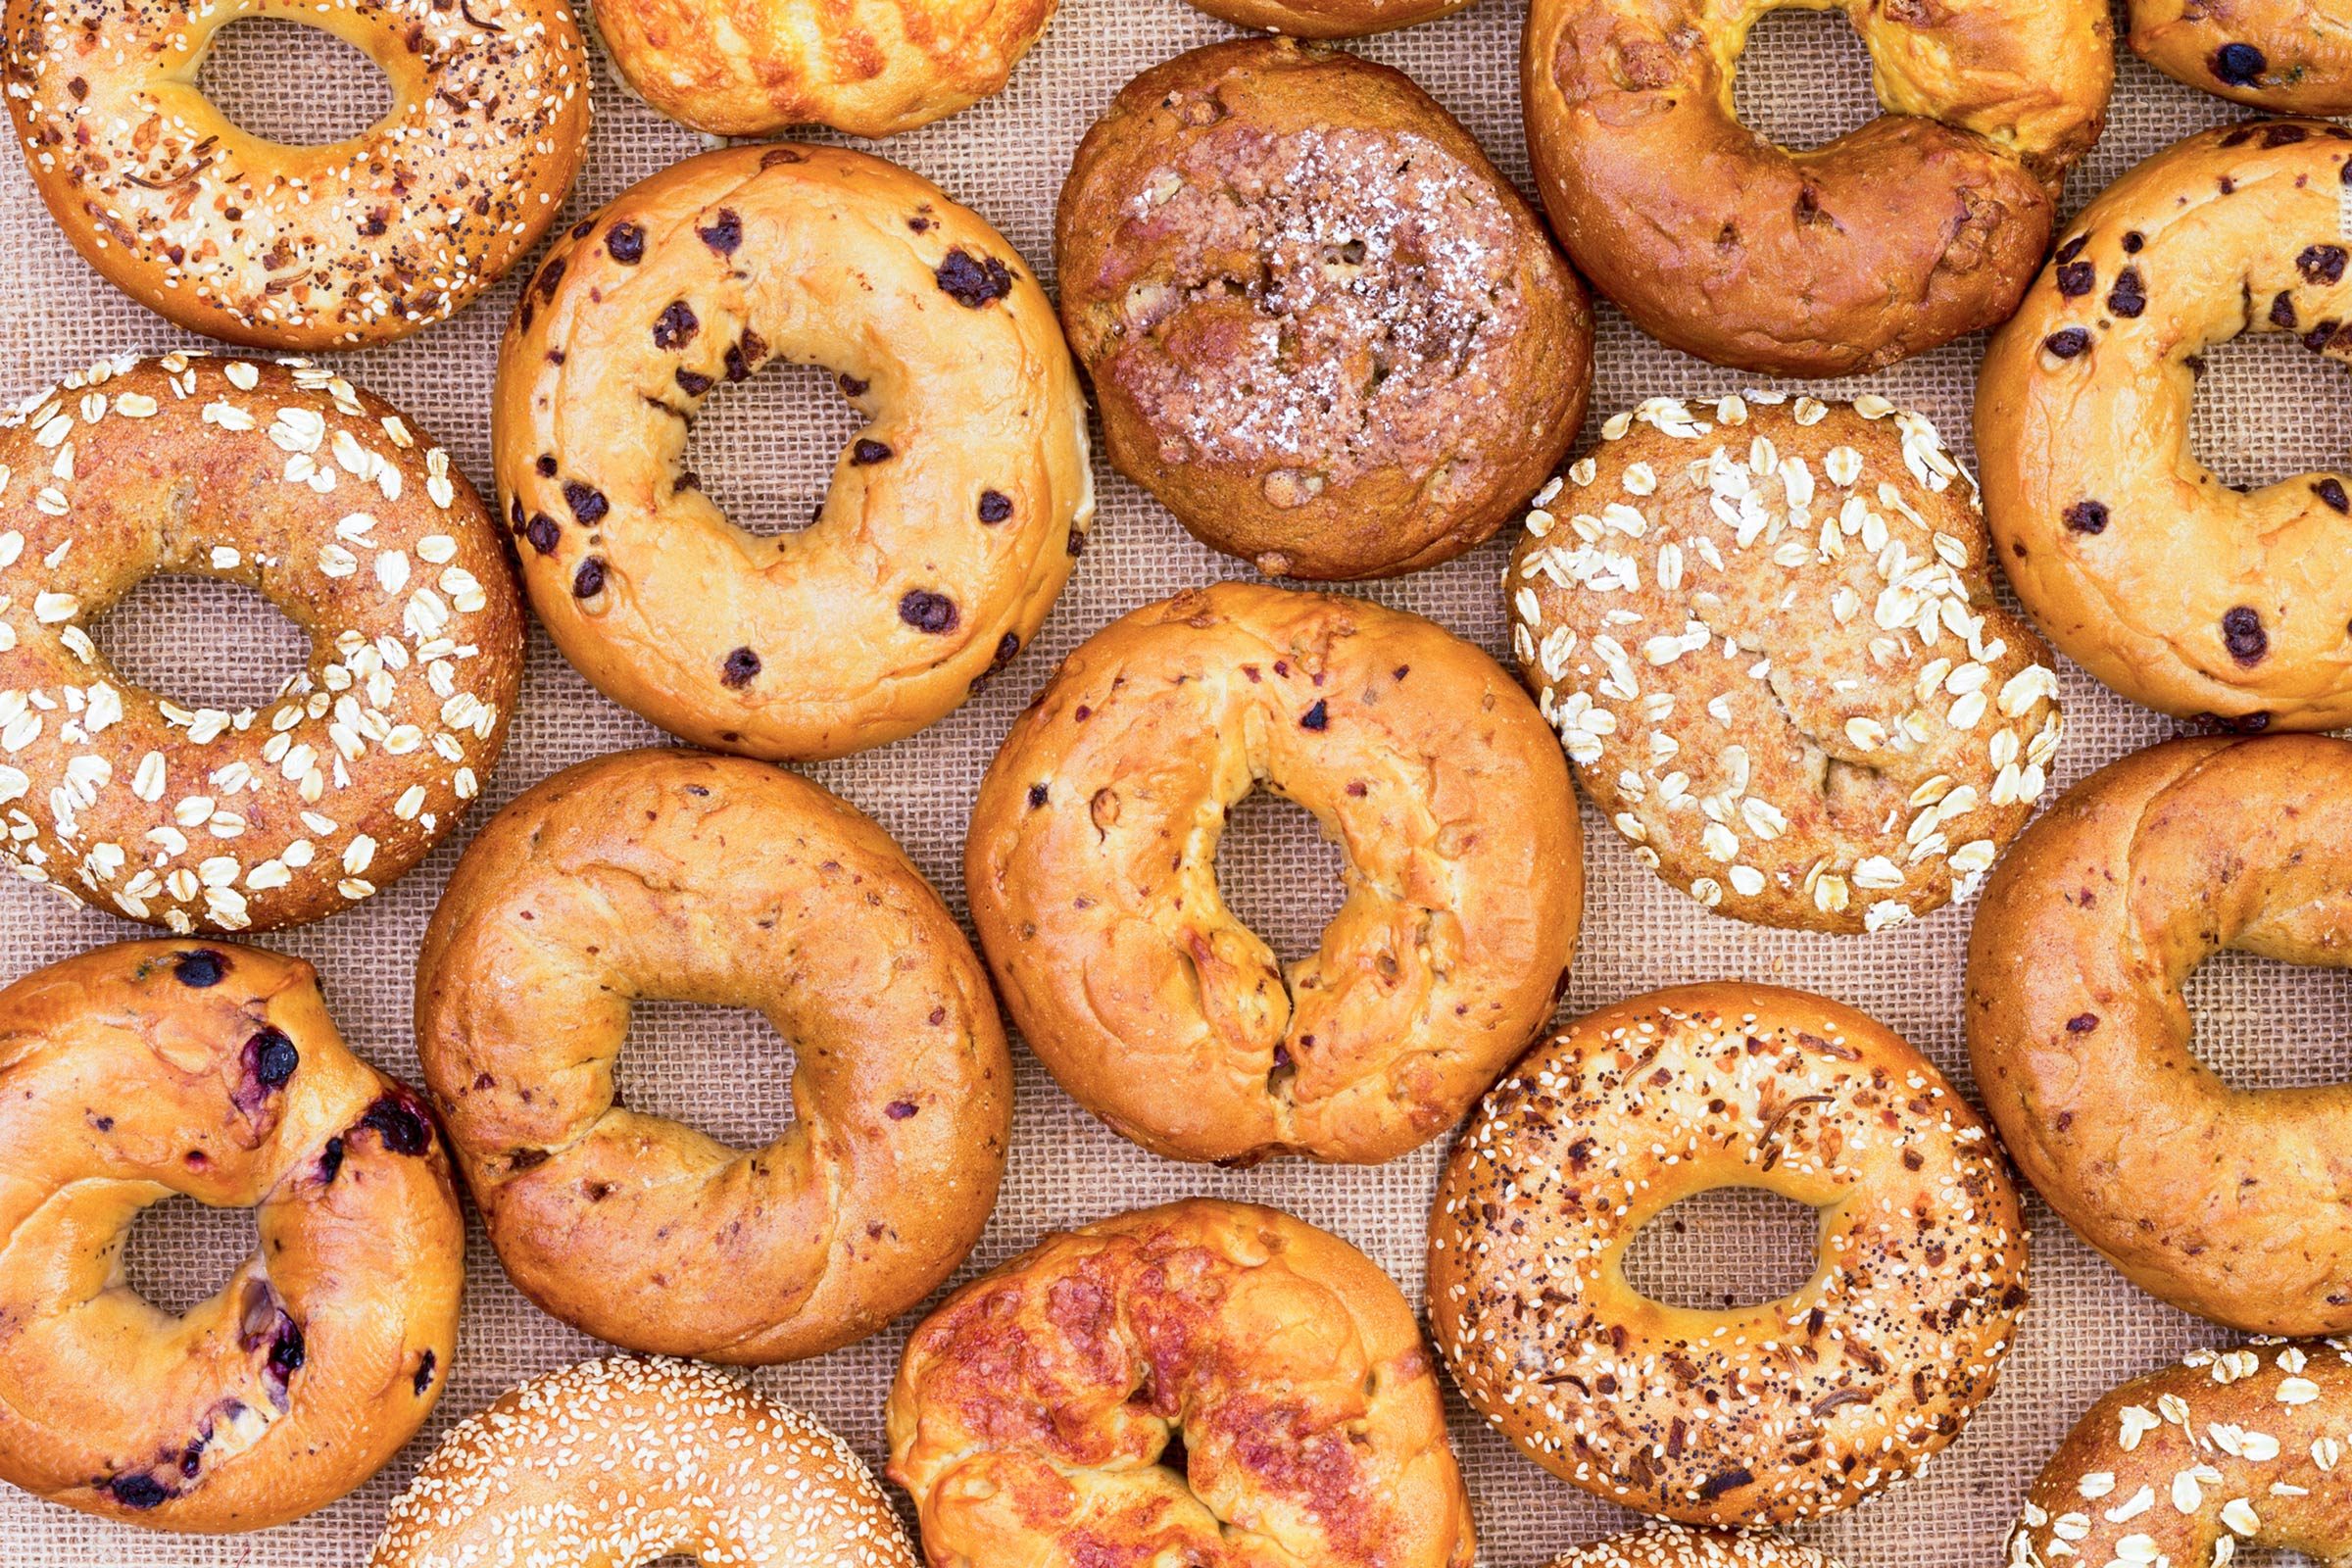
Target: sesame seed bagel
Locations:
point(291, 481)
point(148, 1068)
point(1767, 634)
point(254, 241)
point(2223, 1201)
point(1205, 1382)
point(1756, 1415)
point(1091, 866)
point(952, 519)
point(1660, 1544)
point(2291, 57)
point(2177, 590)
point(633, 1458)
point(2227, 1451)
point(666, 874)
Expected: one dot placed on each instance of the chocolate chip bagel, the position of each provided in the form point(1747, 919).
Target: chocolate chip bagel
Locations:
point(2291, 57)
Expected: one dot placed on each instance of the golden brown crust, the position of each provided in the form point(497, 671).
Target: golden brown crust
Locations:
point(1763, 1414)
point(1323, 330)
point(954, 516)
point(295, 483)
point(1034, 1412)
point(2291, 57)
point(1660, 1544)
point(255, 241)
point(1768, 636)
point(670, 874)
point(1090, 867)
point(1327, 18)
point(2177, 590)
point(2222, 1202)
point(630, 1457)
point(1922, 226)
point(147, 1068)
point(2227, 1451)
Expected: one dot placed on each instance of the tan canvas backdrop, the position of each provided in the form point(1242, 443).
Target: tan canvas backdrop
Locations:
point(2266, 409)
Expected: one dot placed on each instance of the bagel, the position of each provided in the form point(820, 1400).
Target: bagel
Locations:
point(628, 1459)
point(1924, 225)
point(291, 481)
point(1658, 1545)
point(1205, 1382)
point(954, 516)
point(2227, 1451)
point(1091, 866)
point(1324, 331)
point(349, 243)
point(1327, 18)
point(1756, 1415)
point(2291, 57)
point(667, 875)
point(2219, 1200)
point(2177, 590)
point(147, 1068)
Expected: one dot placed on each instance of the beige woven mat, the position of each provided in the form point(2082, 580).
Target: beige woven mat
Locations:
point(2264, 410)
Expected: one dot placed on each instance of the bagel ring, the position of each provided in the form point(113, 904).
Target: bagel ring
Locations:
point(670, 874)
point(1091, 866)
point(2172, 587)
point(2219, 1200)
point(1756, 1415)
point(254, 241)
point(147, 1068)
point(1660, 1545)
point(954, 516)
point(2291, 57)
point(291, 481)
point(1922, 226)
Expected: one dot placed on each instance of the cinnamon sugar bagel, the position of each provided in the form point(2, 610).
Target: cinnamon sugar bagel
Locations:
point(147, 1068)
point(255, 241)
point(2223, 1201)
point(1206, 1382)
point(954, 516)
point(1091, 866)
point(1922, 226)
point(669, 874)
point(2291, 57)
point(1660, 1545)
point(1756, 1415)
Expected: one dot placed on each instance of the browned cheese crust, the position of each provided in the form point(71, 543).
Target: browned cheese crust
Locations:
point(2175, 589)
point(1757, 1415)
point(2291, 57)
point(1660, 1545)
point(1323, 330)
point(631, 1458)
point(2229, 1451)
point(1768, 637)
point(148, 1068)
point(2223, 1201)
point(665, 874)
point(1923, 225)
point(1091, 870)
point(1038, 1413)
point(954, 516)
point(293, 482)
point(261, 242)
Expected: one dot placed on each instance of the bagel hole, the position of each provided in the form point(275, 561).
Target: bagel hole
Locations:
point(1726, 1248)
point(292, 84)
point(2263, 1023)
point(1803, 80)
point(764, 450)
point(723, 1071)
point(2268, 409)
point(1279, 875)
point(179, 1253)
point(203, 642)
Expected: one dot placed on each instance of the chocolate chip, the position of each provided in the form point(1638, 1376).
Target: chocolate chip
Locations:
point(546, 464)
point(274, 1058)
point(2070, 249)
point(2240, 65)
point(2077, 278)
point(2086, 517)
point(741, 666)
point(724, 233)
point(2332, 490)
point(1037, 796)
point(423, 1379)
point(2321, 264)
point(543, 533)
point(626, 244)
point(899, 1109)
point(694, 385)
point(2082, 1023)
point(867, 452)
point(550, 275)
point(2316, 338)
point(995, 506)
point(2132, 241)
point(2129, 295)
point(589, 580)
point(927, 611)
point(850, 386)
point(1316, 717)
point(2283, 310)
point(2244, 636)
point(675, 327)
point(2068, 343)
point(401, 1128)
point(137, 1490)
point(744, 356)
point(973, 282)
point(199, 967)
point(587, 503)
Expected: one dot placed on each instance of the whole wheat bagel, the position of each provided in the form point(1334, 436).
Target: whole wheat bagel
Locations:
point(2291, 57)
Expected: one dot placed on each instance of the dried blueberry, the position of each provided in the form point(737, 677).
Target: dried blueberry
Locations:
point(973, 282)
point(423, 1379)
point(550, 275)
point(2321, 264)
point(402, 1127)
point(850, 386)
point(741, 666)
point(546, 464)
point(1037, 796)
point(273, 1056)
point(927, 611)
point(199, 967)
point(2240, 65)
point(724, 233)
point(1317, 716)
point(2082, 1023)
point(2067, 343)
point(331, 1159)
point(2077, 278)
point(675, 327)
point(995, 506)
point(589, 580)
point(587, 503)
point(2070, 249)
point(2133, 240)
point(543, 533)
point(2129, 295)
point(2284, 136)
point(2244, 636)
point(867, 452)
point(137, 1490)
point(286, 1351)
point(2086, 517)
point(626, 244)
point(1008, 646)
point(899, 1109)
point(2332, 490)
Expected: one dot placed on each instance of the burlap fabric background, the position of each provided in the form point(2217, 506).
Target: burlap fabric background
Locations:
point(2266, 409)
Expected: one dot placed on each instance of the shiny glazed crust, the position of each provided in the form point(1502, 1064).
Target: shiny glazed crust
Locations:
point(147, 1068)
point(1327, 18)
point(1660, 1545)
point(1764, 1414)
point(674, 875)
point(293, 482)
point(2291, 57)
point(1032, 1409)
point(2177, 590)
point(631, 1458)
point(1922, 226)
point(954, 516)
point(1323, 330)
point(276, 245)
point(1091, 869)
point(2222, 1202)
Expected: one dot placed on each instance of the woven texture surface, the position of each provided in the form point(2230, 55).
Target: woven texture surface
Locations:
point(2265, 411)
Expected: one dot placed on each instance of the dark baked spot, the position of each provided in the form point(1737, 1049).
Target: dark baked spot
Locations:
point(273, 1056)
point(1037, 796)
point(2244, 636)
point(2321, 264)
point(2332, 490)
point(587, 503)
point(423, 1379)
point(543, 533)
point(1317, 716)
point(867, 452)
point(927, 611)
point(626, 244)
point(199, 967)
point(137, 1490)
point(2067, 343)
point(995, 506)
point(2129, 295)
point(589, 580)
point(724, 233)
point(973, 282)
point(400, 1125)
point(2240, 65)
point(675, 327)
point(741, 666)
point(2086, 517)
point(2077, 278)
point(693, 384)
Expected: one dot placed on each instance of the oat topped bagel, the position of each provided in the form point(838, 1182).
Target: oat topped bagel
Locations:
point(1766, 632)
point(2291, 57)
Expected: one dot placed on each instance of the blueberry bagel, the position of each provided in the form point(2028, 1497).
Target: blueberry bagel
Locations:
point(954, 516)
point(1756, 1415)
point(149, 1068)
point(2291, 57)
